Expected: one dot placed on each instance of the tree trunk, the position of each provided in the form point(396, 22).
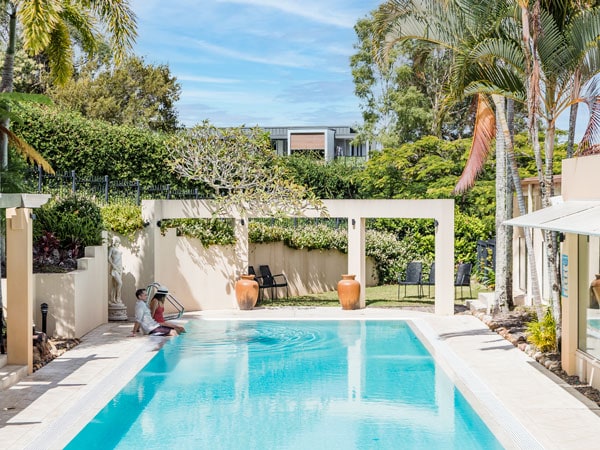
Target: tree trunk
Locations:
point(573, 112)
point(6, 84)
point(572, 125)
point(500, 291)
point(512, 163)
point(551, 237)
point(510, 193)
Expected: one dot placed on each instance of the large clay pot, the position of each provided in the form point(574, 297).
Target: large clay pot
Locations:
point(349, 292)
point(246, 292)
point(595, 285)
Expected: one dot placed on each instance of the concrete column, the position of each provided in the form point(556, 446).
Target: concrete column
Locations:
point(356, 253)
point(240, 230)
point(444, 262)
point(19, 287)
point(569, 260)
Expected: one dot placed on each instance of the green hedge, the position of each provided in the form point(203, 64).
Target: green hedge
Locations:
point(93, 147)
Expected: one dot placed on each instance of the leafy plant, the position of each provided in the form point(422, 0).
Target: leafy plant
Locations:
point(208, 231)
point(542, 333)
point(123, 218)
point(75, 221)
point(46, 250)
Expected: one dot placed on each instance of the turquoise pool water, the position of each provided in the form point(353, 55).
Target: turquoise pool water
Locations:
point(290, 385)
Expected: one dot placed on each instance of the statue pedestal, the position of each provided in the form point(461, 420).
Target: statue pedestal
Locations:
point(117, 312)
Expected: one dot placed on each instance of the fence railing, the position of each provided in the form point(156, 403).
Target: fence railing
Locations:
point(105, 189)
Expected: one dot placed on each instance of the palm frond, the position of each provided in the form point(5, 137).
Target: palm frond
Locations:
point(60, 52)
point(483, 133)
point(121, 24)
point(554, 52)
point(38, 18)
point(591, 136)
point(83, 25)
point(583, 33)
point(26, 150)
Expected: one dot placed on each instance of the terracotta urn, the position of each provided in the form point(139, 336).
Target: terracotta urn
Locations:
point(246, 292)
point(595, 285)
point(349, 292)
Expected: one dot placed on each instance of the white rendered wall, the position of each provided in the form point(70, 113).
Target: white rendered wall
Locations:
point(78, 300)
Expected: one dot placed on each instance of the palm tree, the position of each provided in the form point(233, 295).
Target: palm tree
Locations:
point(52, 29)
point(560, 43)
point(532, 54)
point(464, 27)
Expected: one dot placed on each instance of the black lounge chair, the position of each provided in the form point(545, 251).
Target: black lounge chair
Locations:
point(463, 278)
point(413, 277)
point(430, 279)
point(272, 282)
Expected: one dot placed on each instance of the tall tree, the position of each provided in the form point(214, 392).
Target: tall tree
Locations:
point(462, 27)
point(560, 57)
point(403, 97)
point(134, 93)
point(52, 27)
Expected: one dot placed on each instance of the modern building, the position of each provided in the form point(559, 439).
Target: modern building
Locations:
point(330, 142)
point(576, 216)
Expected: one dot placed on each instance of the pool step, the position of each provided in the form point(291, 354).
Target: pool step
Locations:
point(10, 374)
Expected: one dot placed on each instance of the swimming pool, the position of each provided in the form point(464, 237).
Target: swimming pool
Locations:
point(290, 385)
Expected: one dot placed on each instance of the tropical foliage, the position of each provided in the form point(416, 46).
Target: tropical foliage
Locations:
point(63, 228)
point(52, 30)
point(122, 218)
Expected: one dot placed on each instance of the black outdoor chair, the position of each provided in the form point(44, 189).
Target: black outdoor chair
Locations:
point(259, 280)
point(413, 277)
point(463, 278)
point(272, 282)
point(430, 280)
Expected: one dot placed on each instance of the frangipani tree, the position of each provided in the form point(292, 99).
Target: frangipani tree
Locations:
point(241, 168)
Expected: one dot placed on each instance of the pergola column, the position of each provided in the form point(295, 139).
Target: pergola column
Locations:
point(356, 253)
point(19, 286)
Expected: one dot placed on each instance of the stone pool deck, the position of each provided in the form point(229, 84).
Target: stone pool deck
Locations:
point(524, 404)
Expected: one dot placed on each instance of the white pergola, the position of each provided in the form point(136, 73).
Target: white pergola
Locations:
point(356, 211)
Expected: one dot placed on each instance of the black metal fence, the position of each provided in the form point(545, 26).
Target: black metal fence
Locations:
point(105, 189)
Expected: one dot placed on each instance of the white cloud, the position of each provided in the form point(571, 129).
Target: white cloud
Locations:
point(325, 12)
point(215, 80)
point(286, 59)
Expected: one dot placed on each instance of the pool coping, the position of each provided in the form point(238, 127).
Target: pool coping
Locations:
point(521, 402)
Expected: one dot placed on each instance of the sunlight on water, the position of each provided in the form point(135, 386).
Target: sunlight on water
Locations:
point(290, 385)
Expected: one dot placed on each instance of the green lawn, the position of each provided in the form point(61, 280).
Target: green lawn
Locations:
point(378, 296)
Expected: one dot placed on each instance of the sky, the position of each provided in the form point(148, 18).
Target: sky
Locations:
point(261, 62)
point(256, 62)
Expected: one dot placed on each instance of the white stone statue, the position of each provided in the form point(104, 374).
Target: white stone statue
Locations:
point(115, 262)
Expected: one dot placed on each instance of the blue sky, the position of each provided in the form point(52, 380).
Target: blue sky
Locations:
point(260, 62)
point(256, 62)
